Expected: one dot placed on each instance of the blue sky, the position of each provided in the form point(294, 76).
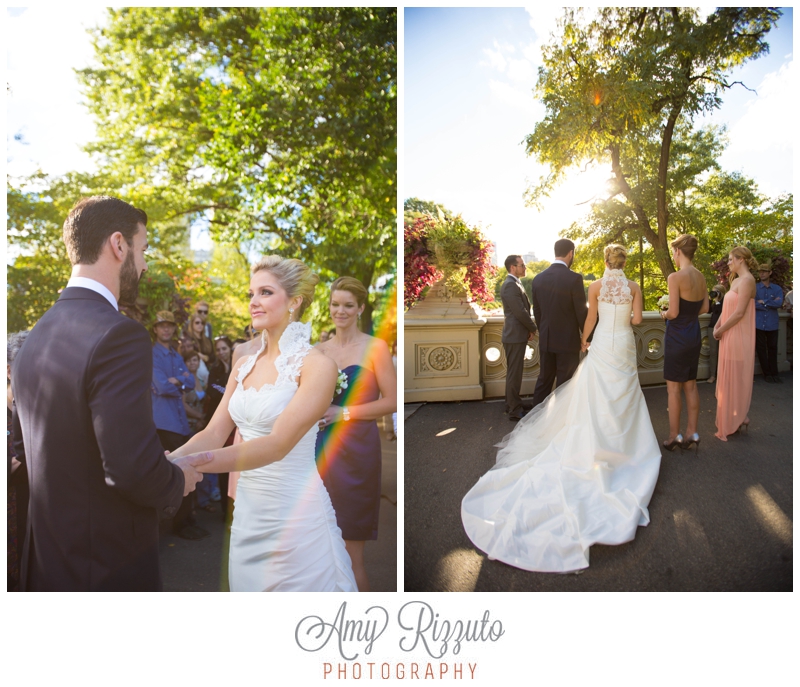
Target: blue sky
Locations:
point(469, 76)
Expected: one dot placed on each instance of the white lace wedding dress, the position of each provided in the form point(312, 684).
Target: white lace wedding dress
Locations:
point(581, 467)
point(284, 535)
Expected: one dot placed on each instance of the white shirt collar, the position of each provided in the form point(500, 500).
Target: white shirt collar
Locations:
point(96, 286)
point(561, 261)
point(515, 278)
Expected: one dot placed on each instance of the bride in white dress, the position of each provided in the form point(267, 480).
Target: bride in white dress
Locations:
point(284, 535)
point(581, 467)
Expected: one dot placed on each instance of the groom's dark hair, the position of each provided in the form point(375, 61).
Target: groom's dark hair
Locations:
point(511, 260)
point(563, 247)
point(92, 220)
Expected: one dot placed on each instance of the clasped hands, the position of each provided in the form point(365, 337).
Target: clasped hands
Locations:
point(189, 464)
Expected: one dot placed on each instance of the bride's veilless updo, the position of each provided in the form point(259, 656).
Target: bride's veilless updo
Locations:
point(294, 276)
point(615, 256)
point(686, 244)
point(743, 253)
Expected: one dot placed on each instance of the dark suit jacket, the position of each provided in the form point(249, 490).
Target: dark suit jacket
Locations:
point(99, 480)
point(559, 305)
point(517, 311)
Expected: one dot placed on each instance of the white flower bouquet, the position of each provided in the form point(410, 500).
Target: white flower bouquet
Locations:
point(663, 302)
point(341, 383)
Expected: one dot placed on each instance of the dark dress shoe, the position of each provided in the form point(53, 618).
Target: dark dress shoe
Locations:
point(768, 379)
point(777, 379)
point(515, 417)
point(527, 405)
point(193, 532)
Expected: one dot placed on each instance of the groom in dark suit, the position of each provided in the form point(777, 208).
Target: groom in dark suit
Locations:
point(518, 329)
point(559, 305)
point(99, 480)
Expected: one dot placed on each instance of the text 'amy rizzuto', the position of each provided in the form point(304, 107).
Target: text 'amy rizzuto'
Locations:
point(421, 629)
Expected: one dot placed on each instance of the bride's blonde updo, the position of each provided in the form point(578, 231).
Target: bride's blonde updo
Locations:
point(294, 276)
point(615, 256)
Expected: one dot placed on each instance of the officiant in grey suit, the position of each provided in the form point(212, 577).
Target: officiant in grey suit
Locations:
point(518, 328)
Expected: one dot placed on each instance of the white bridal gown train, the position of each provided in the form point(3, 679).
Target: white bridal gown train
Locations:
point(581, 467)
point(284, 535)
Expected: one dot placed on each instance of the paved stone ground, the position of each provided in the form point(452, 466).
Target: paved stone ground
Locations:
point(202, 566)
point(720, 520)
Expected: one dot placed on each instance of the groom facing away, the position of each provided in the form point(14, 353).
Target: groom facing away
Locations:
point(99, 479)
point(559, 306)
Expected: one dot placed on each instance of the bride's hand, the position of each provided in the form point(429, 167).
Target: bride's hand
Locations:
point(332, 414)
point(584, 346)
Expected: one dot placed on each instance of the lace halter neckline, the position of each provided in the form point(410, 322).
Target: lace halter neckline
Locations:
point(614, 287)
point(294, 345)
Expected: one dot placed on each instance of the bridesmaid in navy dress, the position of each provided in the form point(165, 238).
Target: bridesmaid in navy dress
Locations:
point(349, 443)
point(688, 299)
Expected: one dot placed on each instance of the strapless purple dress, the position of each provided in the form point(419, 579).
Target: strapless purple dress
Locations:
point(349, 460)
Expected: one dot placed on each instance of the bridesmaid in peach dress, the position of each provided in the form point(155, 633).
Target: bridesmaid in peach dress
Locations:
point(736, 332)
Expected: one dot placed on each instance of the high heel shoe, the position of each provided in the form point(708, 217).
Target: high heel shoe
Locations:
point(670, 446)
point(743, 427)
point(694, 439)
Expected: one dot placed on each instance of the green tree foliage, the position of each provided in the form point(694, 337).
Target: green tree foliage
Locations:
point(414, 208)
point(622, 89)
point(274, 126)
point(531, 270)
point(278, 121)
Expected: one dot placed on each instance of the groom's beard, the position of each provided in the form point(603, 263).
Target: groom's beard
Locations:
point(128, 281)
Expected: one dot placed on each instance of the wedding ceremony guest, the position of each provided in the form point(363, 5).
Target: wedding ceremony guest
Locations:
point(194, 399)
point(688, 299)
point(17, 484)
point(205, 347)
point(716, 297)
point(323, 336)
point(736, 333)
point(201, 308)
point(787, 306)
point(518, 329)
point(186, 344)
point(99, 480)
point(170, 380)
point(769, 299)
point(559, 307)
point(348, 447)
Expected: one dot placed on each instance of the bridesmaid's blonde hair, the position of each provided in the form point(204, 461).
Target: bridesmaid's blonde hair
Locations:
point(743, 253)
point(295, 277)
point(615, 256)
point(352, 286)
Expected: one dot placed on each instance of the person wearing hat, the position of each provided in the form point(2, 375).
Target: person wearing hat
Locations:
point(769, 299)
point(170, 380)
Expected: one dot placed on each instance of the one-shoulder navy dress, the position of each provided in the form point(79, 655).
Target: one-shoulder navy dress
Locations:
point(682, 343)
point(349, 460)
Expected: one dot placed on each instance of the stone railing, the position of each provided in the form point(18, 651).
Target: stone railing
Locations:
point(458, 355)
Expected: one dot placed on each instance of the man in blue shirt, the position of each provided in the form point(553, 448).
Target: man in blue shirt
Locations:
point(170, 380)
point(769, 298)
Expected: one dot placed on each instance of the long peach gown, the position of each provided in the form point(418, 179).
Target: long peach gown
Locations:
point(735, 369)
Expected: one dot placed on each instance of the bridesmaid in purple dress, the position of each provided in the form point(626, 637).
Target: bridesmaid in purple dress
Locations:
point(348, 444)
point(688, 299)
